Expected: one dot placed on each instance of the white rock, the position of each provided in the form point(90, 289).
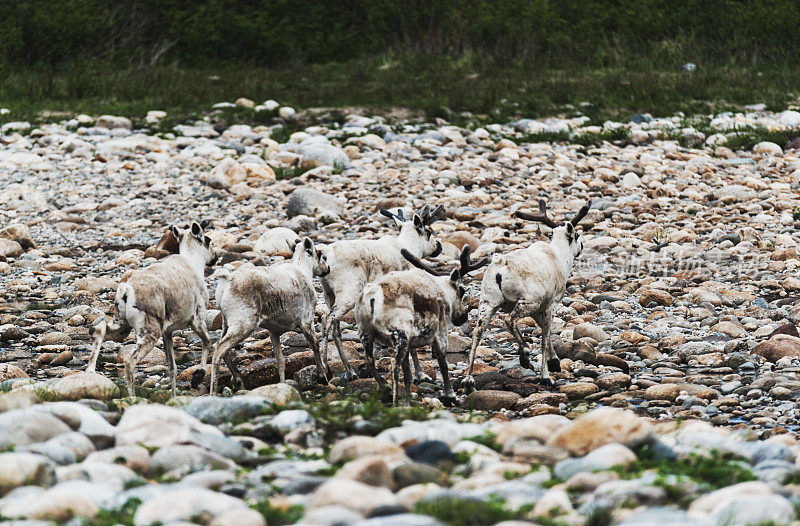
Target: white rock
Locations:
point(789, 119)
point(112, 122)
point(184, 504)
point(287, 113)
point(767, 148)
point(276, 242)
point(356, 496)
point(225, 174)
point(22, 469)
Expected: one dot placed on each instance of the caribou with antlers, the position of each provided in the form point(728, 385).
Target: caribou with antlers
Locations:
point(529, 282)
point(355, 262)
point(410, 309)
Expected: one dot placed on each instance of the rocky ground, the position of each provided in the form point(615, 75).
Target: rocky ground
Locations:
point(679, 321)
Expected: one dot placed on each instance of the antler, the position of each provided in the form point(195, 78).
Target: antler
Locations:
point(399, 215)
point(414, 260)
point(466, 267)
point(581, 213)
point(541, 217)
point(429, 216)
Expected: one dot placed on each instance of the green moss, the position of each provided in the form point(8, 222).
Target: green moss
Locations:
point(486, 439)
point(288, 172)
point(367, 416)
point(713, 471)
point(279, 516)
point(123, 516)
point(470, 512)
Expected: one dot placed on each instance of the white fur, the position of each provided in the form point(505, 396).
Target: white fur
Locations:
point(280, 298)
point(354, 263)
point(157, 300)
point(532, 283)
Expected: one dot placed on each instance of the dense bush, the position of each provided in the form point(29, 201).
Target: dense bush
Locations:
point(597, 33)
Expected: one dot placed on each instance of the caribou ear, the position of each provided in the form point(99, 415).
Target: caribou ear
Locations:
point(419, 224)
point(308, 245)
point(207, 241)
point(197, 230)
point(175, 232)
point(204, 223)
point(455, 276)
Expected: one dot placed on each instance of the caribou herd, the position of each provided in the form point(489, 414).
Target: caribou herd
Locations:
point(399, 301)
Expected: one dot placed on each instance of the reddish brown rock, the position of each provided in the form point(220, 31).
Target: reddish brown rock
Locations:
point(780, 346)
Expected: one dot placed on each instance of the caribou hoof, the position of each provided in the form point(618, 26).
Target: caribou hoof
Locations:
point(525, 362)
point(554, 365)
point(422, 378)
point(197, 377)
point(449, 400)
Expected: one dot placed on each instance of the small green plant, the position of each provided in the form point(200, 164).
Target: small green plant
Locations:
point(714, 471)
point(486, 439)
point(796, 213)
point(275, 516)
point(344, 414)
point(600, 517)
point(470, 512)
point(288, 172)
point(123, 516)
point(338, 167)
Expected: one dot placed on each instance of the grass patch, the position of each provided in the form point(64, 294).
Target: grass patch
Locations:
point(288, 172)
point(470, 512)
point(487, 439)
point(470, 88)
point(369, 416)
point(276, 516)
point(123, 516)
point(747, 138)
point(714, 472)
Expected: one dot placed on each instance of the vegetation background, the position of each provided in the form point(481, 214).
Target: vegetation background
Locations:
point(527, 57)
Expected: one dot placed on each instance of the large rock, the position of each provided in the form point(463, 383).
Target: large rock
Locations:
point(81, 418)
point(280, 394)
point(667, 392)
point(160, 426)
point(27, 426)
point(225, 174)
point(354, 447)
point(492, 400)
point(85, 385)
point(24, 469)
point(264, 372)
point(9, 370)
point(20, 234)
point(602, 426)
point(323, 154)
point(112, 122)
point(310, 202)
point(539, 428)
point(589, 330)
point(767, 148)
point(789, 119)
point(187, 458)
point(185, 504)
point(357, 496)
point(216, 410)
point(60, 503)
point(10, 248)
point(779, 346)
point(276, 242)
